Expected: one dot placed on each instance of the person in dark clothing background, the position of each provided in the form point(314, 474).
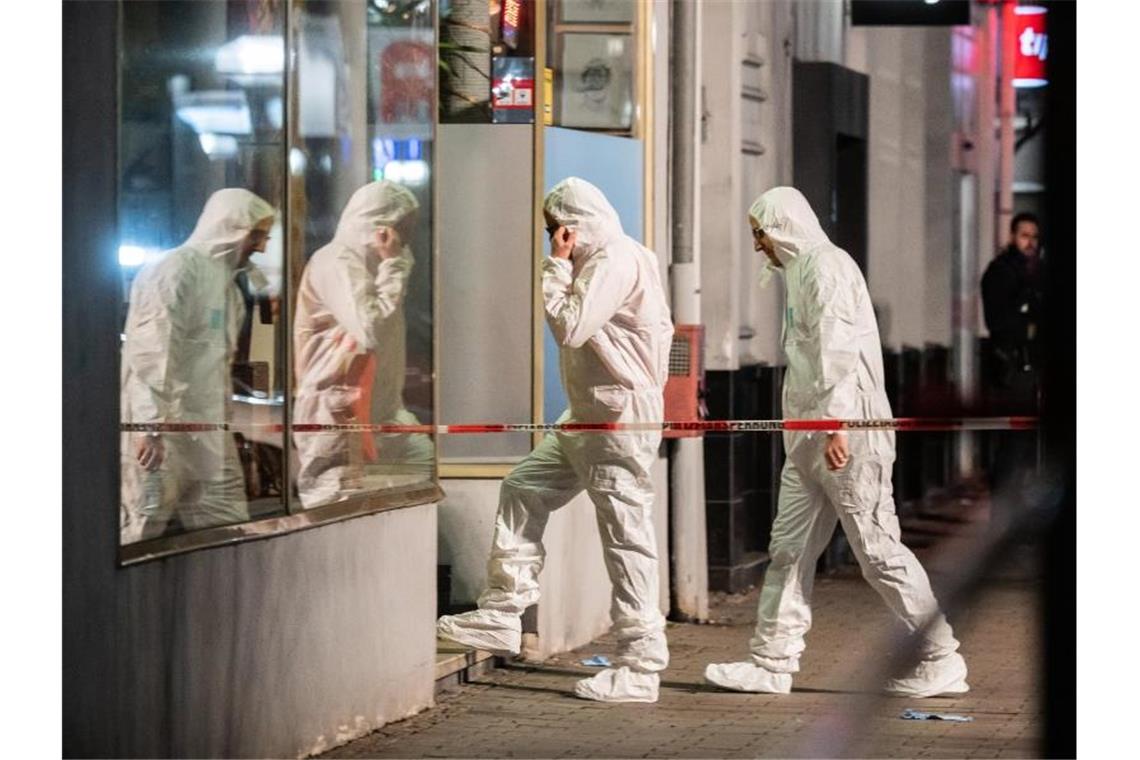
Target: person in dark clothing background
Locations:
point(1013, 290)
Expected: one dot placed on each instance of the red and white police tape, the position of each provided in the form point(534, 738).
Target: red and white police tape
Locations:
point(925, 424)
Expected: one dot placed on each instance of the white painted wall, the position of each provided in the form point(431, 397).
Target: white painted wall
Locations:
point(732, 305)
point(941, 188)
point(720, 177)
point(819, 30)
point(910, 183)
point(276, 648)
point(659, 31)
point(762, 310)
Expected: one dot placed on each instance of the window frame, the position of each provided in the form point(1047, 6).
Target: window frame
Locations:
point(295, 517)
point(641, 129)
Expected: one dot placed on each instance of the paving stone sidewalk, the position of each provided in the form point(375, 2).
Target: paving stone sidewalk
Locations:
point(528, 710)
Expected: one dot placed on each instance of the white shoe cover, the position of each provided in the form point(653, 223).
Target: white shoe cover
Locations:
point(931, 678)
point(489, 630)
point(748, 676)
point(619, 685)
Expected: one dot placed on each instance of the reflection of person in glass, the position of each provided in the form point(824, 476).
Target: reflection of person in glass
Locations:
point(349, 339)
point(181, 333)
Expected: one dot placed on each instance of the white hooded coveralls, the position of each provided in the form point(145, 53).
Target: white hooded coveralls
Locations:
point(834, 371)
point(607, 311)
point(180, 336)
point(349, 340)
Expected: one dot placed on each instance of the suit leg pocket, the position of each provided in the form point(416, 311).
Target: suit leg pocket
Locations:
point(858, 486)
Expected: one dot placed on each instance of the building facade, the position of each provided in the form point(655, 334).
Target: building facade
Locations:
point(302, 618)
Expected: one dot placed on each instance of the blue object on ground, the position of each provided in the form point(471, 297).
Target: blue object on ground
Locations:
point(918, 715)
point(597, 661)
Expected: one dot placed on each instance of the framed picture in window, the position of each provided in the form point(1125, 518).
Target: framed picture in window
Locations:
point(596, 11)
point(596, 81)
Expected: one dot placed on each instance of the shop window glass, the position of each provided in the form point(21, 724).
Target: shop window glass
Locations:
point(361, 247)
point(201, 187)
point(246, 128)
point(591, 56)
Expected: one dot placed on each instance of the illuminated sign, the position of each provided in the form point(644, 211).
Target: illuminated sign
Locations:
point(1032, 46)
point(512, 20)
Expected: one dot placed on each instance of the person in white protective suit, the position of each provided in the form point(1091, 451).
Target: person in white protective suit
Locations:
point(834, 371)
point(607, 310)
point(349, 344)
point(179, 341)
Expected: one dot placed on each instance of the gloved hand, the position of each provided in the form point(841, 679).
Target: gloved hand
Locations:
point(150, 452)
point(835, 453)
point(387, 243)
point(562, 243)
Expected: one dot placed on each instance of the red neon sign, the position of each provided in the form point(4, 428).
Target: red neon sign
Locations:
point(511, 21)
point(1032, 46)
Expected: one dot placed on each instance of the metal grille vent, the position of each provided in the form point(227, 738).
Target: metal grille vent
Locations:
point(679, 356)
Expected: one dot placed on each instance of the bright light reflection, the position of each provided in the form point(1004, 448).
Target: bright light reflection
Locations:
point(251, 54)
point(407, 172)
point(215, 111)
point(218, 146)
point(131, 255)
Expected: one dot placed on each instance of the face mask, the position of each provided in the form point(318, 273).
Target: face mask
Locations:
point(257, 280)
point(767, 272)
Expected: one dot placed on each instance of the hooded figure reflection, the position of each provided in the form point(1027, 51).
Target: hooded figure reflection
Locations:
point(349, 342)
point(181, 333)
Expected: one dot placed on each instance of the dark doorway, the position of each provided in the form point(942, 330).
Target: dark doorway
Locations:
point(830, 121)
point(849, 203)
